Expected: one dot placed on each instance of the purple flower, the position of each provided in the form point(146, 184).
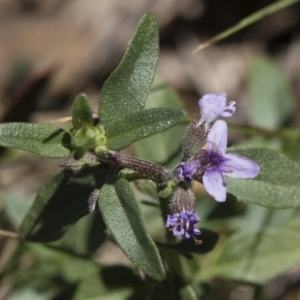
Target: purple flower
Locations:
point(183, 224)
point(217, 163)
point(214, 106)
point(186, 170)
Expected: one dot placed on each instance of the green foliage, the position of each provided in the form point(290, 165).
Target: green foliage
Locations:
point(260, 217)
point(83, 140)
point(42, 139)
point(174, 286)
point(188, 293)
point(256, 256)
point(126, 90)
point(15, 207)
point(276, 186)
point(84, 134)
point(90, 233)
point(87, 165)
point(272, 101)
point(291, 143)
point(82, 114)
point(141, 124)
point(122, 216)
point(124, 93)
point(59, 203)
point(165, 147)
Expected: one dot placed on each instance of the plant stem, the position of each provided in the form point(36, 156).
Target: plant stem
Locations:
point(9, 234)
point(271, 9)
point(164, 204)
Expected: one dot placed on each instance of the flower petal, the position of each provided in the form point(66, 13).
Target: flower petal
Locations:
point(215, 185)
point(237, 166)
point(187, 170)
point(186, 235)
point(218, 135)
point(196, 231)
point(171, 220)
point(211, 108)
point(229, 110)
point(194, 218)
point(178, 231)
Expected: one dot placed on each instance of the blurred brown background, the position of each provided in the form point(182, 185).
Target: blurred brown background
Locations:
point(52, 50)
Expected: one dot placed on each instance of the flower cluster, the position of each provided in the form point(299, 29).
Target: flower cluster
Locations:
point(209, 164)
point(183, 224)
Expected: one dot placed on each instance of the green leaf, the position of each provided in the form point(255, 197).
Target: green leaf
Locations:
point(247, 256)
point(272, 101)
point(162, 147)
point(174, 287)
point(291, 144)
point(140, 125)
point(59, 203)
point(15, 207)
point(89, 233)
point(43, 139)
point(259, 217)
point(126, 90)
point(82, 114)
point(188, 293)
point(276, 186)
point(29, 294)
point(122, 215)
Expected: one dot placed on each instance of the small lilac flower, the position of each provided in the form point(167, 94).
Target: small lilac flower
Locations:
point(214, 106)
point(186, 170)
point(183, 224)
point(217, 163)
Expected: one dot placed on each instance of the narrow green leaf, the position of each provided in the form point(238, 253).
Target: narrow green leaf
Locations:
point(253, 18)
point(42, 139)
point(59, 203)
point(121, 213)
point(247, 256)
point(125, 91)
point(140, 125)
point(276, 186)
point(82, 114)
point(273, 95)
